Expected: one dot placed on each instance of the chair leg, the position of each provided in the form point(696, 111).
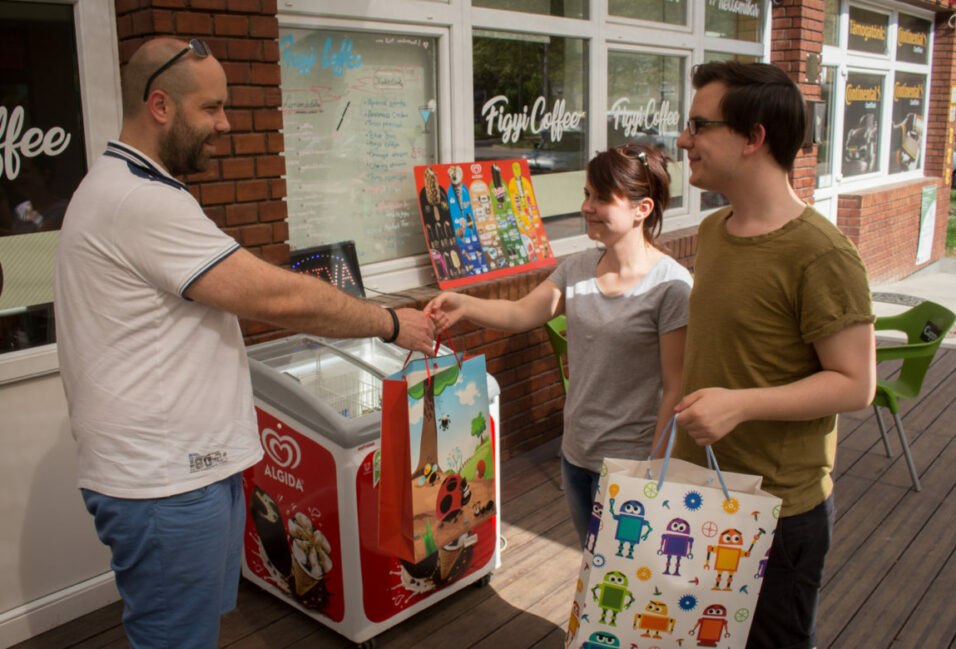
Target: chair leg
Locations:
point(906, 452)
point(886, 439)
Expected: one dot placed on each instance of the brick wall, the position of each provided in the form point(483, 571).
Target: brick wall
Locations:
point(884, 225)
point(797, 33)
point(243, 189)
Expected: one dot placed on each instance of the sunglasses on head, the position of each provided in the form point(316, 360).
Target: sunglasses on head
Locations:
point(201, 50)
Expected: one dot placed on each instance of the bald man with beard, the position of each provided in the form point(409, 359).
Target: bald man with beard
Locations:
point(147, 291)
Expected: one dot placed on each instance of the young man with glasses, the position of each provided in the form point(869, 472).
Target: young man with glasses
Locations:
point(780, 336)
point(147, 290)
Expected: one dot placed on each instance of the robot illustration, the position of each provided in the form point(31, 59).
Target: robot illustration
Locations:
point(676, 543)
point(602, 640)
point(727, 554)
point(594, 526)
point(487, 225)
point(654, 619)
point(711, 626)
point(612, 595)
point(573, 623)
point(463, 218)
point(507, 226)
point(632, 527)
point(762, 566)
point(438, 227)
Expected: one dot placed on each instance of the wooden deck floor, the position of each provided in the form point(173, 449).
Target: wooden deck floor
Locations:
point(885, 584)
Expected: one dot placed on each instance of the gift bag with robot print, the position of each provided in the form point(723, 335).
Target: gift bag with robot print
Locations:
point(674, 557)
point(437, 461)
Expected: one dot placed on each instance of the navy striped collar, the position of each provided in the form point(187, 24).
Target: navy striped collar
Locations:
point(140, 164)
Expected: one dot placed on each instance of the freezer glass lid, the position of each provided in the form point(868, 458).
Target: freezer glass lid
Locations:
point(324, 371)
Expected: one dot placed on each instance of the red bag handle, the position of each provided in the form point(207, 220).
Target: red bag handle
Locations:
point(435, 353)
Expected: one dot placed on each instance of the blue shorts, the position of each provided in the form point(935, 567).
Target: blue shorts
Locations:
point(176, 561)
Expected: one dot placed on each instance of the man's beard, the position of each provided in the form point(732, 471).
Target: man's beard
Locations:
point(181, 149)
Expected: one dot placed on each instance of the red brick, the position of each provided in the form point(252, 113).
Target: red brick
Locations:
point(280, 231)
point(241, 213)
point(208, 5)
point(277, 188)
point(251, 190)
point(273, 211)
point(237, 72)
point(235, 168)
point(248, 143)
point(273, 165)
point(244, 49)
point(230, 25)
point(240, 120)
point(266, 26)
point(217, 193)
point(255, 235)
point(267, 119)
point(193, 23)
point(244, 6)
point(245, 96)
point(266, 74)
point(277, 253)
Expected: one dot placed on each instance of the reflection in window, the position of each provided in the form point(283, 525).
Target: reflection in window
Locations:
point(825, 145)
point(831, 22)
point(912, 39)
point(529, 100)
point(740, 20)
point(645, 104)
point(44, 161)
point(359, 112)
point(861, 123)
point(906, 138)
point(673, 12)
point(565, 8)
point(867, 31)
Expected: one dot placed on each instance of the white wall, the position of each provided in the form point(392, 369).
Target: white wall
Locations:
point(52, 566)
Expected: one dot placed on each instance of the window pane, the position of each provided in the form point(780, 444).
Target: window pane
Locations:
point(867, 31)
point(861, 123)
point(738, 19)
point(564, 8)
point(43, 162)
point(530, 94)
point(825, 145)
point(673, 12)
point(359, 111)
point(831, 22)
point(645, 104)
point(906, 139)
point(912, 39)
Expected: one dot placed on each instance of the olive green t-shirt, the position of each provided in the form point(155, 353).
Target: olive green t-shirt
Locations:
point(757, 306)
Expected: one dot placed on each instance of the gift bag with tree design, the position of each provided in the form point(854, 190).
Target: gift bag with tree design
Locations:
point(437, 461)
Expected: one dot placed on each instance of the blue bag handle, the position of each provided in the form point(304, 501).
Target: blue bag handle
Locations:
point(670, 432)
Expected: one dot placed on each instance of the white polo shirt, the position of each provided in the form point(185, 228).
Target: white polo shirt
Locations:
point(158, 386)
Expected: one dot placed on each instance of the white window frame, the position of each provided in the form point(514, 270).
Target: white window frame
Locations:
point(455, 21)
point(98, 61)
point(846, 61)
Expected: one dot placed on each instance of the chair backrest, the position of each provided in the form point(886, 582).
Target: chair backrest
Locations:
point(925, 326)
point(557, 329)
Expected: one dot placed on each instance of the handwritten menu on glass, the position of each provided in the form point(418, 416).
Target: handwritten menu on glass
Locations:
point(359, 113)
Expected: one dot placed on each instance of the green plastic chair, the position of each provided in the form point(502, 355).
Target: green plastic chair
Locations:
point(557, 328)
point(925, 326)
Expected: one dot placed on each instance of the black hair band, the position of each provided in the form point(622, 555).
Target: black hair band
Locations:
point(395, 328)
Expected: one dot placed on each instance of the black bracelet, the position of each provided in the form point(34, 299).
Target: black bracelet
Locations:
point(394, 337)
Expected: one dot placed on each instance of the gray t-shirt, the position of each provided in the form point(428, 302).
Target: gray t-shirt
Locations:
point(614, 381)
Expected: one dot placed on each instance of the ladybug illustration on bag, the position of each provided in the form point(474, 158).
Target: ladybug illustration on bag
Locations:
point(452, 496)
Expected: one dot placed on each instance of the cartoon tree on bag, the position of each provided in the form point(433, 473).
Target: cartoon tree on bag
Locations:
point(478, 427)
point(428, 390)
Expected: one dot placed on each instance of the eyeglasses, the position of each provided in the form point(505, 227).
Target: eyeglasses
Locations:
point(694, 124)
point(196, 45)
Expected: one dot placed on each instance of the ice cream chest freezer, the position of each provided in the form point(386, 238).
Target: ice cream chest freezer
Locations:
point(311, 536)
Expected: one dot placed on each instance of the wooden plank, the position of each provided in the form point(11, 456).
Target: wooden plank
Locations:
point(891, 528)
point(933, 622)
point(889, 607)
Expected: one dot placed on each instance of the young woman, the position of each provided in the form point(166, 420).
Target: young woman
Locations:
point(626, 308)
